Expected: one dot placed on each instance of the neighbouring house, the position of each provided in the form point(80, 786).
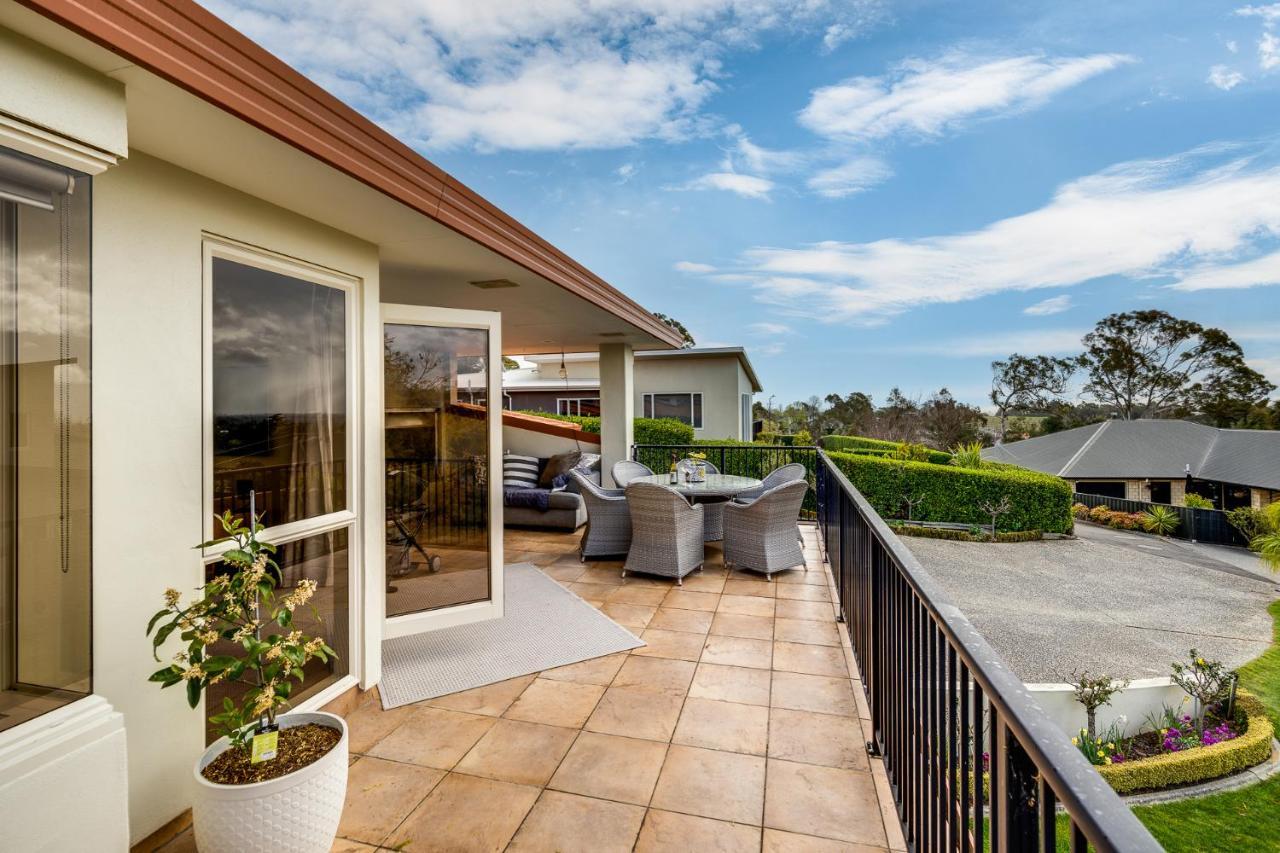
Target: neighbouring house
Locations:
point(709, 388)
point(217, 280)
point(1157, 461)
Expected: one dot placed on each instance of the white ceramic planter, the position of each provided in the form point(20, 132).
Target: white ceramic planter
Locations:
point(297, 813)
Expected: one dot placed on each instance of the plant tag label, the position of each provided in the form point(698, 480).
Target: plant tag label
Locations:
point(264, 746)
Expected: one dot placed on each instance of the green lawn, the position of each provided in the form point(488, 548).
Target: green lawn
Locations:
point(1241, 821)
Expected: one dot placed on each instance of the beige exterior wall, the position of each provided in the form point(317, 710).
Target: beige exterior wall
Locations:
point(1260, 498)
point(149, 219)
point(716, 377)
point(1178, 492)
point(1134, 491)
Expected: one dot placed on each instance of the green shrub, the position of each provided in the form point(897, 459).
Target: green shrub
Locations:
point(1038, 501)
point(1125, 520)
point(778, 439)
point(1200, 764)
point(876, 446)
point(1160, 520)
point(1080, 511)
point(645, 430)
point(968, 455)
point(1251, 522)
point(1194, 501)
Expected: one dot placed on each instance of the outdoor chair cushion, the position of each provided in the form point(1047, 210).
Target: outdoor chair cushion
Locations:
point(557, 466)
point(519, 472)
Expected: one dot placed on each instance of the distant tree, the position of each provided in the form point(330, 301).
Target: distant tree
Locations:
point(850, 415)
point(1028, 382)
point(898, 419)
point(946, 422)
point(1063, 415)
point(679, 327)
point(1150, 364)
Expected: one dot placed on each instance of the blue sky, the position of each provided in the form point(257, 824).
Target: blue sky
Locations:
point(864, 194)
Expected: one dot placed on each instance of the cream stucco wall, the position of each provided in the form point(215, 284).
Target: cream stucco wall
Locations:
point(717, 377)
point(148, 222)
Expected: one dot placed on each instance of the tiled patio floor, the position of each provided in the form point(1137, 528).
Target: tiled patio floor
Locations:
point(736, 728)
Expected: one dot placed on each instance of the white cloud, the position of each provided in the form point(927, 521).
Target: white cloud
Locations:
point(747, 186)
point(1258, 272)
point(926, 98)
point(1269, 51)
point(1269, 13)
point(770, 328)
point(691, 267)
point(551, 74)
point(1224, 78)
point(852, 176)
point(1046, 307)
point(1268, 44)
point(994, 345)
point(625, 172)
point(1162, 218)
point(1232, 46)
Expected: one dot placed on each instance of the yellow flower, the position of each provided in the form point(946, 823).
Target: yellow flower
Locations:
point(171, 597)
point(1200, 661)
point(1108, 760)
point(1111, 746)
point(1075, 741)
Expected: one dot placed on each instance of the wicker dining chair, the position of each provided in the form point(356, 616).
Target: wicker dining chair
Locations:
point(785, 474)
point(608, 530)
point(666, 532)
point(625, 471)
point(762, 535)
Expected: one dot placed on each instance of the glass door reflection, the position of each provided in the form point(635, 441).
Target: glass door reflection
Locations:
point(437, 460)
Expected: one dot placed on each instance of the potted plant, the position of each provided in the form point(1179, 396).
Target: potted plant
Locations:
point(274, 781)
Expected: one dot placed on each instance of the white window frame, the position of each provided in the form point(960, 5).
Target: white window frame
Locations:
point(647, 405)
point(215, 246)
point(565, 403)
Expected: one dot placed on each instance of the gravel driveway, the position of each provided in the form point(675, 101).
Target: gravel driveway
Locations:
point(1121, 603)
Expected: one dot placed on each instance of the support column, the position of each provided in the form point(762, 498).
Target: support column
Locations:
point(617, 406)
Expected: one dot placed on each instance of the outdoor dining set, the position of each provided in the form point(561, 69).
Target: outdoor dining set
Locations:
point(662, 522)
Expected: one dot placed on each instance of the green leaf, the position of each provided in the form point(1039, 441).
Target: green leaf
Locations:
point(193, 692)
point(161, 636)
point(155, 619)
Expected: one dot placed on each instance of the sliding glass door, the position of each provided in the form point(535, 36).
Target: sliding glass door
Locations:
point(442, 442)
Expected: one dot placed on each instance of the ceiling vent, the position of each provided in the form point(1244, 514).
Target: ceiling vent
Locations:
point(493, 284)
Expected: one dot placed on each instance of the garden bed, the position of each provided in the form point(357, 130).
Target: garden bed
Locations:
point(1169, 758)
point(956, 533)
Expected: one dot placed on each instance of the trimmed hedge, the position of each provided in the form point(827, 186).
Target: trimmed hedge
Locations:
point(1200, 764)
point(954, 535)
point(874, 447)
point(1038, 501)
point(646, 430)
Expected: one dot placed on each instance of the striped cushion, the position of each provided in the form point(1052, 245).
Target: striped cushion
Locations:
point(519, 472)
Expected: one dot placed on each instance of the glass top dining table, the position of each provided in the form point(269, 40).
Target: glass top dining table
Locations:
point(715, 485)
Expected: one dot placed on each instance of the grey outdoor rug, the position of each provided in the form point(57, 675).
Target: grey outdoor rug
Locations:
point(545, 626)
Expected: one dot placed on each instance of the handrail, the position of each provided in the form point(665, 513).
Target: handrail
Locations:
point(1032, 752)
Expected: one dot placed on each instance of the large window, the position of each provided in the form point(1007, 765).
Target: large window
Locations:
point(684, 407)
point(584, 406)
point(45, 551)
point(279, 352)
point(281, 396)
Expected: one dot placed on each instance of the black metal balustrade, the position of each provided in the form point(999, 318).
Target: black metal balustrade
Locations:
point(960, 736)
point(1199, 525)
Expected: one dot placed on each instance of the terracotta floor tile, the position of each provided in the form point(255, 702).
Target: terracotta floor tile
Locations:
point(680, 645)
point(750, 586)
point(340, 845)
point(433, 737)
point(723, 725)
point(593, 592)
point(465, 813)
point(512, 751)
point(748, 605)
point(380, 794)
point(656, 674)
point(670, 832)
point(819, 611)
point(823, 801)
point(611, 767)
point(704, 581)
point(674, 619)
point(809, 738)
point(776, 841)
point(595, 671)
point(811, 660)
point(566, 823)
point(817, 693)
point(804, 592)
point(741, 625)
point(556, 703)
point(491, 700)
point(369, 724)
point(633, 616)
point(649, 596)
point(738, 651)
point(689, 600)
point(731, 684)
point(565, 573)
point(638, 712)
point(710, 783)
point(806, 631)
